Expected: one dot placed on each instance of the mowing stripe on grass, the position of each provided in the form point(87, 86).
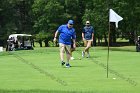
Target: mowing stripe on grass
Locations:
point(130, 81)
point(46, 73)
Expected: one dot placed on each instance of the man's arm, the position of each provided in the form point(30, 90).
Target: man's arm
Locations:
point(83, 36)
point(74, 43)
point(74, 39)
point(55, 36)
point(92, 36)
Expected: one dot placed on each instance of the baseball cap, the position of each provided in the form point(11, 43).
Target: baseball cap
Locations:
point(70, 22)
point(87, 22)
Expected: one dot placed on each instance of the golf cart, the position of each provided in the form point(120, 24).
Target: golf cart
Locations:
point(138, 44)
point(19, 42)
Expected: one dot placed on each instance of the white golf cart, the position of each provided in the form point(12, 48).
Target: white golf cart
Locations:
point(19, 42)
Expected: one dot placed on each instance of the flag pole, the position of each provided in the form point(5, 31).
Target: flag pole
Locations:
point(113, 17)
point(108, 44)
point(108, 37)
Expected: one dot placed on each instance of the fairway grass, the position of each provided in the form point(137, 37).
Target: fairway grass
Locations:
point(40, 71)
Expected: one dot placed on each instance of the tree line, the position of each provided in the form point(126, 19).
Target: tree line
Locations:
point(41, 18)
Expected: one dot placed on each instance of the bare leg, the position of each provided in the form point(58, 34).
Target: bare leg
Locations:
point(68, 57)
point(62, 51)
point(85, 44)
point(68, 53)
point(87, 47)
point(88, 51)
point(72, 49)
point(71, 52)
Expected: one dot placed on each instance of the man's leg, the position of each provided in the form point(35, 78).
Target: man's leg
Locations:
point(72, 49)
point(68, 54)
point(62, 51)
point(85, 44)
point(87, 48)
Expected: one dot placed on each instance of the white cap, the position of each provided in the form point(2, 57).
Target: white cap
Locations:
point(87, 22)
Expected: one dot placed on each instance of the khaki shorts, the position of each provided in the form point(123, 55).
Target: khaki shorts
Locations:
point(65, 48)
point(87, 42)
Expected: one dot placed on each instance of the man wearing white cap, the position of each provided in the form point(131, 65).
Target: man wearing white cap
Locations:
point(67, 32)
point(87, 36)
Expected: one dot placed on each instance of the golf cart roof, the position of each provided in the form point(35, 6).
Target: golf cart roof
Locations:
point(16, 35)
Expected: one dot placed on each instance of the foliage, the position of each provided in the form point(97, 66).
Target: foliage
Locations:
point(37, 16)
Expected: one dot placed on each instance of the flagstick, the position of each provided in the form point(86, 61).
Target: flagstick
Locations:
point(113, 17)
point(108, 48)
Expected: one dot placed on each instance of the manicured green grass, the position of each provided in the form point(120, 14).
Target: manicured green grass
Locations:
point(40, 71)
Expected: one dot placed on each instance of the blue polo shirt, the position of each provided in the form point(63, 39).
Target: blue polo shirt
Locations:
point(66, 34)
point(88, 30)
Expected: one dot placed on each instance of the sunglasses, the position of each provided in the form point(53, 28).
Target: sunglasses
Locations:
point(87, 23)
point(71, 24)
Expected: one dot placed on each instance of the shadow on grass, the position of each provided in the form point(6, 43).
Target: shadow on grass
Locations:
point(57, 91)
point(78, 66)
point(39, 91)
point(120, 49)
point(91, 57)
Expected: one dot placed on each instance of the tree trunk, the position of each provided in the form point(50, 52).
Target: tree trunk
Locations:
point(105, 37)
point(46, 42)
point(131, 38)
point(1, 43)
point(94, 41)
point(99, 43)
point(40, 43)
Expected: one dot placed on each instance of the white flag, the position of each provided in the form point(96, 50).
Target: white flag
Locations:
point(114, 17)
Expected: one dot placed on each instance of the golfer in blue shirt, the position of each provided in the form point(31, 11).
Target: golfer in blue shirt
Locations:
point(87, 36)
point(66, 33)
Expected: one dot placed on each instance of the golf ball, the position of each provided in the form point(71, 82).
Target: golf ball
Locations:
point(114, 78)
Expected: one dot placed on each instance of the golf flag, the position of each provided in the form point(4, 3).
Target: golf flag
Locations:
point(114, 17)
